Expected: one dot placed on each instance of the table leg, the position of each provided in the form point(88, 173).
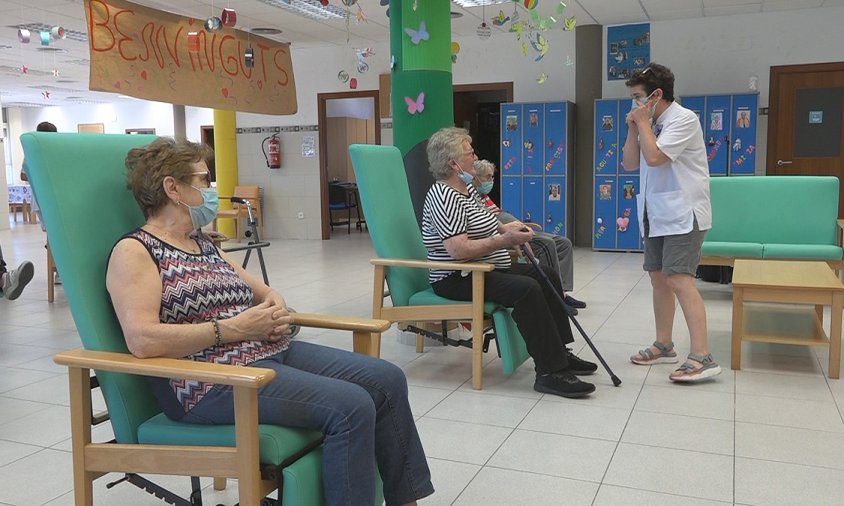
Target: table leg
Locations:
point(738, 326)
point(819, 313)
point(835, 336)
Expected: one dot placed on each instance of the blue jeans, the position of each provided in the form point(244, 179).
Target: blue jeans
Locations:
point(360, 403)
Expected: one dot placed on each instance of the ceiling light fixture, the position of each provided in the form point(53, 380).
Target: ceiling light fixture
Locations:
point(455, 15)
point(479, 3)
point(264, 30)
point(308, 8)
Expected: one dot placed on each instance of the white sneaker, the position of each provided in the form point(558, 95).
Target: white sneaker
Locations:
point(460, 332)
point(15, 281)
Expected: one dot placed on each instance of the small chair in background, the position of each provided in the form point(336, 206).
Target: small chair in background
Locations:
point(341, 198)
point(238, 211)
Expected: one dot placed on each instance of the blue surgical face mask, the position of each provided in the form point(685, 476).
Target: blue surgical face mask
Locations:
point(643, 101)
point(204, 213)
point(464, 176)
point(485, 188)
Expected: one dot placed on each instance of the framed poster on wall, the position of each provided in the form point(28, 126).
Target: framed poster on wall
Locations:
point(628, 50)
point(93, 128)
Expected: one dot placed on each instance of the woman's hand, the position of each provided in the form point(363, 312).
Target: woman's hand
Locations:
point(516, 233)
point(268, 321)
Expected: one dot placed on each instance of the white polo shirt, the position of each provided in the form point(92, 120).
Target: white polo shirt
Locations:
point(676, 192)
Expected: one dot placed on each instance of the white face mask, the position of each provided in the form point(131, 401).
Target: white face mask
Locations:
point(636, 102)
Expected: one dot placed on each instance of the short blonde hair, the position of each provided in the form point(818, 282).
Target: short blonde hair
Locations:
point(482, 167)
point(445, 145)
point(150, 164)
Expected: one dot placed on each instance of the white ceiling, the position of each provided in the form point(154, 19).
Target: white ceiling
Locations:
point(70, 57)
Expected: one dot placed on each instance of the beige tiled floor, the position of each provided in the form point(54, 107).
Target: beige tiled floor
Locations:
point(771, 433)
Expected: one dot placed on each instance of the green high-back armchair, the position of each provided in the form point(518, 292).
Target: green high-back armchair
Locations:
point(402, 261)
point(80, 181)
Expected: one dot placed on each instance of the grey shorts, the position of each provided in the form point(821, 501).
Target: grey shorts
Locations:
point(673, 254)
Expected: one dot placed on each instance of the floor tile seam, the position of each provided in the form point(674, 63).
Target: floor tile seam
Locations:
point(549, 475)
point(623, 430)
point(482, 424)
point(694, 416)
point(802, 464)
point(685, 496)
point(838, 406)
point(575, 436)
point(40, 450)
point(839, 432)
point(677, 388)
point(46, 405)
point(768, 396)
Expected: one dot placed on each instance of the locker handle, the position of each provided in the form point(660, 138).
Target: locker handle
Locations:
point(784, 162)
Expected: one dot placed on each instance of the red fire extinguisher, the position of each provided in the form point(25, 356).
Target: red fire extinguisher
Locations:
point(271, 147)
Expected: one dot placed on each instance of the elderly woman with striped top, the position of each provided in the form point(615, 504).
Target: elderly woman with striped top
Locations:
point(457, 227)
point(177, 295)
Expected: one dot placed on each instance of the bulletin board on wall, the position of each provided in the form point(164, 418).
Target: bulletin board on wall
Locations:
point(628, 50)
point(91, 128)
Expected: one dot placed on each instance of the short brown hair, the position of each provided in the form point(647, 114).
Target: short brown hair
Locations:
point(654, 76)
point(149, 165)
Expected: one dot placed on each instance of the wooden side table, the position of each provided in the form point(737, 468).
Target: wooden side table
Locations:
point(787, 283)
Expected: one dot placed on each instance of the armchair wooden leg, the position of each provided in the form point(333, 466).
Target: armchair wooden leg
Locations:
point(246, 433)
point(420, 343)
point(80, 430)
point(219, 483)
point(51, 277)
point(477, 330)
point(367, 343)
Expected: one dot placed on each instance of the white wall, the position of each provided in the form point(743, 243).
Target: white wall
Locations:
point(718, 55)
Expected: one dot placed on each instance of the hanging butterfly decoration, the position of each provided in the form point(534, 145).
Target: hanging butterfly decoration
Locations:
point(569, 24)
point(416, 106)
point(540, 45)
point(417, 36)
point(542, 78)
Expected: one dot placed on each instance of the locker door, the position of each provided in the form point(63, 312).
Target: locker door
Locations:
point(626, 219)
point(624, 107)
point(533, 133)
point(555, 138)
point(606, 136)
point(603, 236)
point(555, 205)
point(532, 199)
point(696, 105)
point(511, 140)
point(716, 124)
point(511, 195)
point(743, 145)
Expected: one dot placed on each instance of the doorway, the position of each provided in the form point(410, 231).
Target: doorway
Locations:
point(477, 108)
point(206, 136)
point(344, 118)
point(805, 135)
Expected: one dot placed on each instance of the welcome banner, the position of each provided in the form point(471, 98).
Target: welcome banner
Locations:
point(143, 53)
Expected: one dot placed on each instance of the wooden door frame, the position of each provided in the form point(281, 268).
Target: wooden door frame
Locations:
point(506, 87)
point(776, 74)
point(322, 98)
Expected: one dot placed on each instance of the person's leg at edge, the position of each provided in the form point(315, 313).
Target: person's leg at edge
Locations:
point(694, 311)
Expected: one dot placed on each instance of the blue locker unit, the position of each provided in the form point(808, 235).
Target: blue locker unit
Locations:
point(696, 105)
point(533, 199)
point(606, 137)
point(555, 205)
point(743, 139)
point(626, 217)
point(603, 236)
point(511, 195)
point(624, 107)
point(533, 134)
point(716, 133)
point(511, 141)
point(554, 142)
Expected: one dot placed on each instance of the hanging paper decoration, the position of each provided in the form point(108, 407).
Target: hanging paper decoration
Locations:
point(362, 55)
point(484, 31)
point(193, 42)
point(531, 4)
point(561, 7)
point(385, 2)
point(58, 33)
point(542, 78)
point(349, 3)
point(500, 19)
point(353, 83)
point(418, 105)
point(324, 3)
point(249, 57)
point(417, 36)
point(343, 76)
point(45, 38)
point(228, 17)
point(540, 46)
point(46, 94)
point(392, 61)
point(415, 5)
point(213, 24)
point(23, 36)
point(360, 16)
point(455, 49)
point(569, 61)
point(55, 72)
point(569, 23)
point(24, 69)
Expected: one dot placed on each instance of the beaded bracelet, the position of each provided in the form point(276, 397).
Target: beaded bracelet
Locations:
point(218, 336)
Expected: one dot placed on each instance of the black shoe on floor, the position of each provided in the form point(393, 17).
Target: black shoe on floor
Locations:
point(564, 384)
point(579, 366)
point(571, 301)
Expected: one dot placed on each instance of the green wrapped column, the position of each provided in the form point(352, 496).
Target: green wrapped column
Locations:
point(420, 68)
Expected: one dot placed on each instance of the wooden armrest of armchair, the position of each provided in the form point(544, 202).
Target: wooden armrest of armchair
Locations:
point(251, 377)
point(425, 264)
point(353, 323)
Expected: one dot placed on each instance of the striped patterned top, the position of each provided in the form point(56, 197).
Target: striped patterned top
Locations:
point(448, 213)
point(196, 288)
